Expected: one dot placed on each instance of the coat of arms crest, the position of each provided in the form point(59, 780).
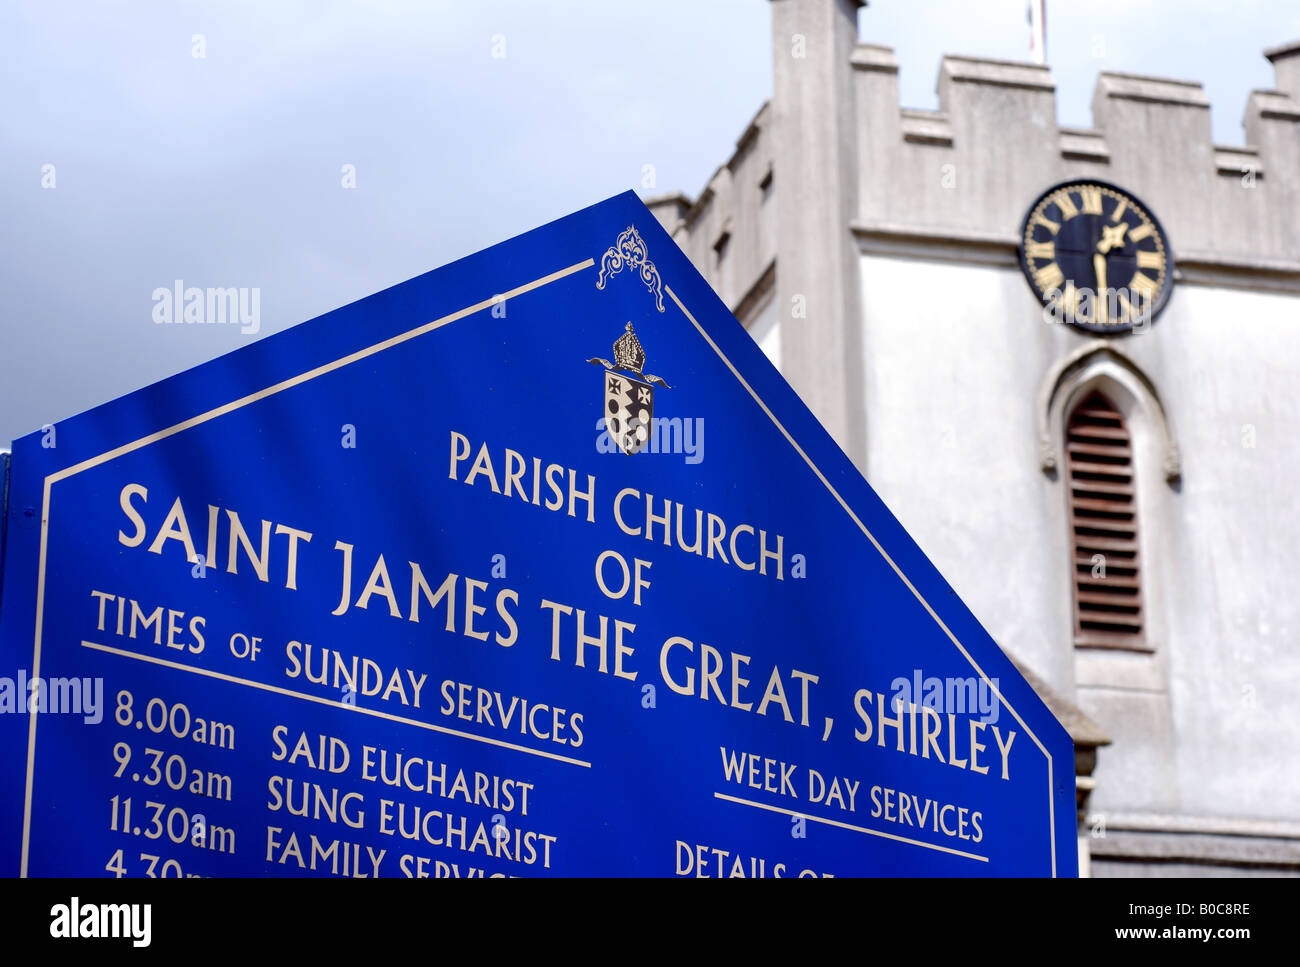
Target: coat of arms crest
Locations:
point(629, 393)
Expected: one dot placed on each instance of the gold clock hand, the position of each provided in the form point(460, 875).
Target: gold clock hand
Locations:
point(1099, 266)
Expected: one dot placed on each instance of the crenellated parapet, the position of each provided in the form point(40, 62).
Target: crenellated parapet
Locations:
point(1285, 59)
point(963, 174)
point(728, 231)
point(968, 169)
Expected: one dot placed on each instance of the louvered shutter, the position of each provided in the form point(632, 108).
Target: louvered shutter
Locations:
point(1103, 526)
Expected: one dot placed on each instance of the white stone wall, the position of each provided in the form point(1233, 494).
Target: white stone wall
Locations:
point(1208, 725)
point(950, 384)
point(1228, 543)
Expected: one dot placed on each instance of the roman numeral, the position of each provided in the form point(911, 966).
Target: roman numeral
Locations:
point(1141, 232)
point(1091, 196)
point(1041, 250)
point(1151, 260)
point(1118, 213)
point(1049, 277)
point(1047, 223)
point(1065, 204)
point(1143, 285)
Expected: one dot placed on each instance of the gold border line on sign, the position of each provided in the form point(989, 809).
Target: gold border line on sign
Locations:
point(196, 421)
point(333, 703)
point(1051, 800)
point(849, 826)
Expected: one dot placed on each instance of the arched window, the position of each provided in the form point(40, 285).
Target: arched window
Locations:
point(1104, 529)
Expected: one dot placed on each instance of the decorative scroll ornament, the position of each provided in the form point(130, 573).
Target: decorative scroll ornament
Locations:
point(631, 250)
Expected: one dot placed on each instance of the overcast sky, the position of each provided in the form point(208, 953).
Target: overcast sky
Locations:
point(227, 169)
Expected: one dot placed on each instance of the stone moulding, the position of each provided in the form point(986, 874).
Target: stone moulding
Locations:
point(1090, 360)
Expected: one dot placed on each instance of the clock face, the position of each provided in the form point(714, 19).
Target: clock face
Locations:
point(1096, 256)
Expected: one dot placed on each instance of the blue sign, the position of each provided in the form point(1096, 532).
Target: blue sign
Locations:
point(532, 565)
